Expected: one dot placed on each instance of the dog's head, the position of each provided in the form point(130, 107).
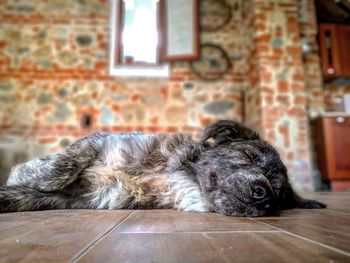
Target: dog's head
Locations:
point(242, 175)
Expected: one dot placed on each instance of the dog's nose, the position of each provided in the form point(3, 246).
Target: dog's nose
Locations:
point(259, 193)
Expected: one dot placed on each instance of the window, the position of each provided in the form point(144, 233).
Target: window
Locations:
point(146, 34)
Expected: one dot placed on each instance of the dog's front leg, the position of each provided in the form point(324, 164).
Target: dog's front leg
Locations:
point(290, 199)
point(58, 170)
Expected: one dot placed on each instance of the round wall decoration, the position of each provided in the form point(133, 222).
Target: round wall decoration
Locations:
point(212, 64)
point(214, 14)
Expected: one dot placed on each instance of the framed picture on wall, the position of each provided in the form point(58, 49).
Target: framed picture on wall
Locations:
point(179, 22)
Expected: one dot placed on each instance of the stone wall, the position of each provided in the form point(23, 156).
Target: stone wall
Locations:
point(53, 76)
point(311, 60)
point(285, 85)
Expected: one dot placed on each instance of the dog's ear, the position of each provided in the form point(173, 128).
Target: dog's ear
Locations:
point(224, 131)
point(289, 199)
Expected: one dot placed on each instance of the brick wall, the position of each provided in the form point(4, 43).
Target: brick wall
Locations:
point(311, 61)
point(285, 85)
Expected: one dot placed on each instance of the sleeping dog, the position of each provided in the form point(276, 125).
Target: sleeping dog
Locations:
point(230, 170)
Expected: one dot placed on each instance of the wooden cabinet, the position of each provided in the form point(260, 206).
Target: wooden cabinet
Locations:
point(332, 136)
point(335, 50)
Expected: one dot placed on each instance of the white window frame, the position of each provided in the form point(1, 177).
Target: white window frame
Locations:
point(158, 71)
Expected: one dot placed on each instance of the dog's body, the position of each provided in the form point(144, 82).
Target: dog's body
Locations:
point(230, 170)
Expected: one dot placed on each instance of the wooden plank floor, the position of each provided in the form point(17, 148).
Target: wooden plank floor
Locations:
point(173, 236)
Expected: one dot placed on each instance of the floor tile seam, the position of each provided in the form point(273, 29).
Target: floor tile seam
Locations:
point(340, 251)
point(337, 209)
point(306, 239)
point(88, 247)
point(201, 232)
point(301, 218)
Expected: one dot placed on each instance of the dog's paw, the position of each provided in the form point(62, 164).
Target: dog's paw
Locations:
point(311, 204)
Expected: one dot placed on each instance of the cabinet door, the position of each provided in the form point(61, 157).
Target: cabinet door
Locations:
point(329, 50)
point(335, 50)
point(343, 36)
point(337, 139)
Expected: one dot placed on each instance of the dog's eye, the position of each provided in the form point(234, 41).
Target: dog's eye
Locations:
point(259, 192)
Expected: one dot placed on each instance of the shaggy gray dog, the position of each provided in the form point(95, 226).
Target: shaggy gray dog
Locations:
point(230, 171)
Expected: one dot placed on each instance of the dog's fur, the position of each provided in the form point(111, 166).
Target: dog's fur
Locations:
point(230, 171)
